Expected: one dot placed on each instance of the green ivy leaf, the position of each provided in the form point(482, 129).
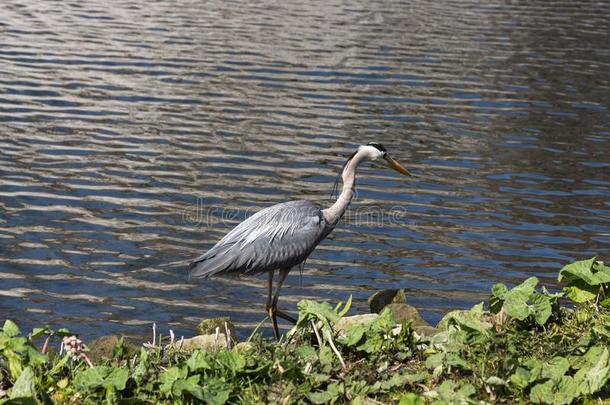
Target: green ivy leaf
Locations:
point(534, 367)
point(63, 332)
point(435, 360)
point(319, 378)
point(589, 271)
point(369, 337)
point(106, 377)
point(117, 379)
point(542, 307)
point(579, 291)
point(215, 391)
point(307, 353)
point(326, 355)
point(592, 379)
point(35, 358)
point(453, 359)
point(14, 362)
point(190, 386)
point(579, 270)
point(332, 394)
point(198, 361)
point(451, 392)
point(11, 328)
point(555, 368)
point(496, 300)
point(38, 332)
point(231, 360)
point(558, 393)
point(168, 378)
point(520, 378)
point(443, 359)
point(91, 378)
point(312, 310)
point(471, 320)
point(515, 300)
point(25, 385)
point(589, 359)
point(354, 334)
point(400, 379)
point(411, 399)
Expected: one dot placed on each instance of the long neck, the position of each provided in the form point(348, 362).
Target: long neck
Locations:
point(333, 214)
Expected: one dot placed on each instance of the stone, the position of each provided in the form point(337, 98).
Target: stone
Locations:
point(405, 312)
point(382, 298)
point(103, 347)
point(426, 330)
point(208, 326)
point(348, 321)
point(210, 342)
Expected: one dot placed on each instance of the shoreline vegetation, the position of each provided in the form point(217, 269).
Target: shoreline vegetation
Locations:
point(525, 345)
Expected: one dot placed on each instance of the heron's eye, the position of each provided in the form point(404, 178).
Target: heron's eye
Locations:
point(384, 155)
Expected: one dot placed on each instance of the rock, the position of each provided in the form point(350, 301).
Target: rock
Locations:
point(382, 298)
point(209, 342)
point(401, 313)
point(103, 348)
point(349, 321)
point(405, 312)
point(425, 330)
point(208, 326)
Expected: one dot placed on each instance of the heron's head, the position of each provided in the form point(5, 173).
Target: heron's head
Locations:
point(376, 152)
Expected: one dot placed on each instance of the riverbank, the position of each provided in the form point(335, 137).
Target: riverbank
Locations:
point(524, 345)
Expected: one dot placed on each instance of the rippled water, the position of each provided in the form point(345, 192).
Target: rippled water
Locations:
point(136, 133)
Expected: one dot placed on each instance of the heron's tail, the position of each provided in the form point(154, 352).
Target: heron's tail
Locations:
point(178, 263)
point(209, 266)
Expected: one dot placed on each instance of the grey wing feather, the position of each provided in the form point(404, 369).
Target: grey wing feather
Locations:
point(279, 236)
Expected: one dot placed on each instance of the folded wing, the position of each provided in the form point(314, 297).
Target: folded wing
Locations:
point(279, 236)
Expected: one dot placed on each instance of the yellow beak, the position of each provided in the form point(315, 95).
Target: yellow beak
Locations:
point(397, 166)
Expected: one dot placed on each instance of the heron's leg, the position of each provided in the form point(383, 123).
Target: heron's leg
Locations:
point(269, 290)
point(280, 282)
point(285, 316)
point(273, 311)
point(270, 309)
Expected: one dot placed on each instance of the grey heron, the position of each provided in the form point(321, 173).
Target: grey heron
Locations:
point(282, 236)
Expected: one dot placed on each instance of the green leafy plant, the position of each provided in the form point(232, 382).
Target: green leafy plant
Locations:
point(524, 302)
point(588, 280)
point(527, 348)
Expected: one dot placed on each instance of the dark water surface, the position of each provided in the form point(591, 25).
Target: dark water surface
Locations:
point(136, 133)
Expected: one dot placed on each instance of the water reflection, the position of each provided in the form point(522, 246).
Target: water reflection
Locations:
point(115, 120)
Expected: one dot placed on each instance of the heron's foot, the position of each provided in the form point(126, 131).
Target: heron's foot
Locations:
point(272, 314)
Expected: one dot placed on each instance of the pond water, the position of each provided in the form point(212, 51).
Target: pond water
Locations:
point(136, 133)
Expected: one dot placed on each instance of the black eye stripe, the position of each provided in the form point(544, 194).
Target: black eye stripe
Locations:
point(378, 146)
